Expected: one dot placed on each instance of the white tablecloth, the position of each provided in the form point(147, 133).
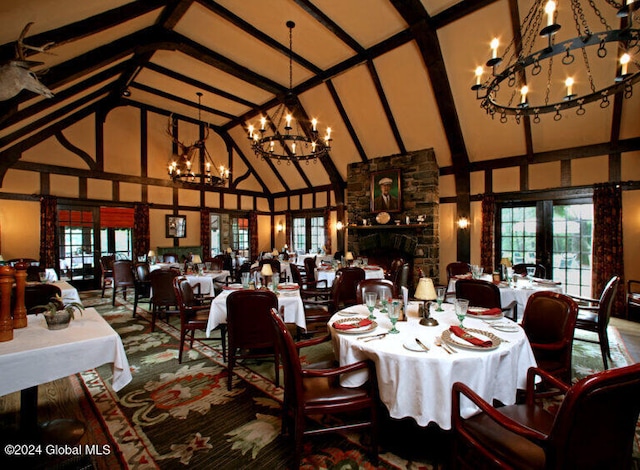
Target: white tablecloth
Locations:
point(418, 384)
point(68, 292)
point(520, 293)
point(208, 280)
point(370, 272)
point(37, 355)
point(293, 309)
point(284, 266)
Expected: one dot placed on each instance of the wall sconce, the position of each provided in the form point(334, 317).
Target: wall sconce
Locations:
point(339, 225)
point(463, 223)
point(280, 227)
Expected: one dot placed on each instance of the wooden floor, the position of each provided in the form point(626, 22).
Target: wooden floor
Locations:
point(630, 332)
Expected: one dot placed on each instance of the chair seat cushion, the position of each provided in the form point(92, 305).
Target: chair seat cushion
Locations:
point(586, 317)
point(324, 391)
point(634, 298)
point(508, 446)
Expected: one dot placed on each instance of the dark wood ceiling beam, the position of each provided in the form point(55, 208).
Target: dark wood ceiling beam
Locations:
point(174, 12)
point(198, 84)
point(328, 23)
point(87, 27)
point(385, 105)
point(259, 35)
point(345, 119)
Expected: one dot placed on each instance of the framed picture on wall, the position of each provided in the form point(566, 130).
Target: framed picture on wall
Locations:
point(386, 192)
point(176, 226)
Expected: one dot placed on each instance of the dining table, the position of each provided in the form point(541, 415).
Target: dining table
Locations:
point(415, 380)
point(67, 292)
point(288, 296)
point(328, 273)
point(37, 355)
point(207, 280)
point(518, 290)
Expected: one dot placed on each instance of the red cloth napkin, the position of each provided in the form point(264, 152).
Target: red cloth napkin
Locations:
point(456, 330)
point(490, 312)
point(349, 326)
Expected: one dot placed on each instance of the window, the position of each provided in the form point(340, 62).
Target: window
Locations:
point(557, 235)
point(214, 222)
point(116, 232)
point(240, 235)
point(75, 235)
point(308, 234)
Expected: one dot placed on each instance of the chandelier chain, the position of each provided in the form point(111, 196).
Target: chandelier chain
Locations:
point(548, 88)
point(599, 14)
point(578, 17)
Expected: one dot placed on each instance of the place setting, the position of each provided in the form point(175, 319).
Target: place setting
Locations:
point(468, 338)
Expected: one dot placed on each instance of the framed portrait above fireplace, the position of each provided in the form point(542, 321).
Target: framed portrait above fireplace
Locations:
point(176, 226)
point(386, 191)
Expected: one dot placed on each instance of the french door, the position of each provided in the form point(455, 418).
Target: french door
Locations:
point(556, 234)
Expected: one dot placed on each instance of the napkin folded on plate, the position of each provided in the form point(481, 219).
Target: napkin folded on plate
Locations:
point(456, 330)
point(349, 326)
point(485, 313)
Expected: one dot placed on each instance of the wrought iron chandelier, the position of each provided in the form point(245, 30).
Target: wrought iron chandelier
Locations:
point(538, 84)
point(193, 163)
point(295, 141)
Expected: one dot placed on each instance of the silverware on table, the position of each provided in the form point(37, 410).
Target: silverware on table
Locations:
point(438, 342)
point(371, 338)
point(422, 345)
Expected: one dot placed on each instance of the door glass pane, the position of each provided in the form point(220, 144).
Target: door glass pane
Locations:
point(299, 235)
point(214, 221)
point(75, 235)
point(572, 236)
point(518, 234)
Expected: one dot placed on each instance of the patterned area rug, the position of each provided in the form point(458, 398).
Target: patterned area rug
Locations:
point(177, 416)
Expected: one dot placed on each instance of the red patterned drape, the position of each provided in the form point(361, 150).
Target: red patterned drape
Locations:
point(253, 235)
point(141, 235)
point(205, 232)
point(607, 242)
point(49, 232)
point(327, 231)
point(487, 258)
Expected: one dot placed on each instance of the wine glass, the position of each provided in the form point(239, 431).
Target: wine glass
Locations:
point(384, 302)
point(440, 293)
point(394, 313)
point(461, 306)
point(370, 299)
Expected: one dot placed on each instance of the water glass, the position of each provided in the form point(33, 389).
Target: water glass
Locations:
point(384, 303)
point(245, 280)
point(275, 280)
point(394, 313)
point(370, 299)
point(461, 306)
point(207, 265)
point(440, 293)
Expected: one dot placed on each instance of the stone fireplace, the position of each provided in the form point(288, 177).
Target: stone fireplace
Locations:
point(416, 242)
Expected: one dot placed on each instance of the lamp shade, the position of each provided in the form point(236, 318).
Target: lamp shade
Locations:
point(425, 289)
point(506, 262)
point(151, 253)
point(229, 250)
point(275, 252)
point(195, 259)
point(349, 256)
point(1, 258)
point(266, 270)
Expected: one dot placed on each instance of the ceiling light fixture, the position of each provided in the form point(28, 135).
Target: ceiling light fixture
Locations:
point(193, 163)
point(536, 84)
point(287, 143)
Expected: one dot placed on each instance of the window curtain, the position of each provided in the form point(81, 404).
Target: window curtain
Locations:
point(49, 232)
point(327, 231)
point(488, 229)
point(607, 242)
point(141, 236)
point(253, 235)
point(205, 232)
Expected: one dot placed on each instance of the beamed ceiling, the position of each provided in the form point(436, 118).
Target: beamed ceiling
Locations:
point(389, 76)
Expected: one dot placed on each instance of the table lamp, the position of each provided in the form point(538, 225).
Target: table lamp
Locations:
point(195, 259)
point(151, 256)
point(266, 272)
point(426, 292)
point(349, 258)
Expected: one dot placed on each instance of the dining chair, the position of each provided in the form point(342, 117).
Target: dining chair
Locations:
point(276, 267)
point(344, 287)
point(37, 294)
point(457, 268)
point(163, 297)
point(30, 261)
point(383, 287)
point(315, 390)
point(594, 426)
point(309, 289)
point(122, 278)
point(310, 269)
point(633, 300)
point(549, 322)
point(594, 315)
point(33, 272)
point(521, 269)
point(194, 316)
point(485, 294)
point(142, 285)
point(249, 328)
point(394, 268)
point(106, 268)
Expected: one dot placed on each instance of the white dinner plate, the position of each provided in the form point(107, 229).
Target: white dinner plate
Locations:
point(453, 340)
point(411, 345)
point(506, 326)
point(478, 312)
point(355, 331)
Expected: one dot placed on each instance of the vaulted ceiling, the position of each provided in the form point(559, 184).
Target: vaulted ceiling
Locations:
point(389, 76)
